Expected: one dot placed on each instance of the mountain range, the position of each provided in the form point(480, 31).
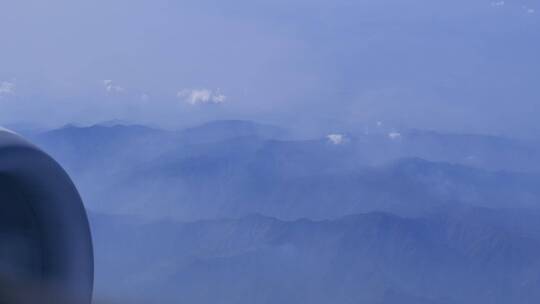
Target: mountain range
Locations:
point(364, 258)
point(241, 212)
point(235, 168)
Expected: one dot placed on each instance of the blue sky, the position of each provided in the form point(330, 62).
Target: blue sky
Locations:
point(464, 66)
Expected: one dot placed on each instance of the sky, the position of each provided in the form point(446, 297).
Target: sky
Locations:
point(459, 66)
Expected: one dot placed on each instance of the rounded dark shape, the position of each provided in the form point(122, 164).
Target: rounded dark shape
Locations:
point(45, 244)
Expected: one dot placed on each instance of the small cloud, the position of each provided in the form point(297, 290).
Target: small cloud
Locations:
point(336, 139)
point(498, 3)
point(201, 96)
point(394, 135)
point(219, 98)
point(145, 97)
point(111, 87)
point(528, 10)
point(379, 123)
point(7, 88)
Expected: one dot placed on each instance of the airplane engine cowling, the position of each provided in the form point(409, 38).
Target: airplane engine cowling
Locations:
point(45, 244)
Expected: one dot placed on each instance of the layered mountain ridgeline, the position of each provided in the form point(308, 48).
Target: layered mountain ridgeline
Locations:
point(374, 147)
point(228, 185)
point(374, 217)
point(457, 256)
point(234, 168)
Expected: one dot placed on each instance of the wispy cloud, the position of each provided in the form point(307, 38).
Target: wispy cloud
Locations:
point(201, 96)
point(112, 87)
point(336, 139)
point(394, 135)
point(528, 10)
point(497, 3)
point(7, 88)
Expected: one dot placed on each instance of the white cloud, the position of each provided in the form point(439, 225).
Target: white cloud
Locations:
point(7, 88)
point(394, 135)
point(201, 96)
point(336, 139)
point(145, 97)
point(497, 3)
point(111, 87)
point(219, 98)
point(528, 10)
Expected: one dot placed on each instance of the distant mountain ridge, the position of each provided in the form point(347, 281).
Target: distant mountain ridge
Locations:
point(377, 147)
point(359, 258)
point(403, 217)
point(232, 168)
point(229, 129)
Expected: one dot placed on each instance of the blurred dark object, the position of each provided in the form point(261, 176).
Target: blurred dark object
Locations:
point(45, 244)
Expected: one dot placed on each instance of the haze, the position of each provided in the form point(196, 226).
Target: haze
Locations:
point(459, 66)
